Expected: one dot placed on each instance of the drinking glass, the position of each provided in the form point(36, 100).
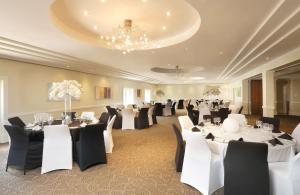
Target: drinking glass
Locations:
point(50, 120)
point(259, 123)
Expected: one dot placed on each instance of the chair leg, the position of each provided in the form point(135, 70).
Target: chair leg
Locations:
point(6, 167)
point(24, 172)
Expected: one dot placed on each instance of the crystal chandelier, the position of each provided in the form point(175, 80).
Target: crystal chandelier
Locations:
point(127, 38)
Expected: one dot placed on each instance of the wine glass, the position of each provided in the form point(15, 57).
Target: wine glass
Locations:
point(50, 120)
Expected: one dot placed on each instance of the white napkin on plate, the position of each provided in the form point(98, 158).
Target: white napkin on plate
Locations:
point(36, 128)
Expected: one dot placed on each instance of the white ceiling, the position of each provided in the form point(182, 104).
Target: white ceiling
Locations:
point(234, 37)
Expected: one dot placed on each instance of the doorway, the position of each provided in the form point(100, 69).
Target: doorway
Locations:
point(256, 97)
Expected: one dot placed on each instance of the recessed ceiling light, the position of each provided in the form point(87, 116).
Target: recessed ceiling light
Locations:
point(68, 66)
point(186, 49)
point(95, 27)
point(144, 1)
point(267, 58)
point(168, 13)
point(164, 27)
point(86, 13)
point(221, 52)
point(103, 1)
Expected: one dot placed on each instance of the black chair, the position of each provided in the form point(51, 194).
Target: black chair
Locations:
point(193, 115)
point(274, 121)
point(180, 104)
point(179, 156)
point(223, 113)
point(90, 147)
point(104, 118)
point(24, 153)
point(241, 109)
point(215, 104)
point(141, 121)
point(173, 110)
point(246, 169)
point(16, 121)
point(158, 109)
point(118, 121)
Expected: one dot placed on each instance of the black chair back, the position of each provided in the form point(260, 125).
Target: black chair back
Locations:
point(23, 153)
point(142, 121)
point(112, 112)
point(173, 111)
point(274, 121)
point(104, 118)
point(215, 104)
point(193, 115)
point(179, 156)
point(223, 113)
point(90, 148)
point(246, 169)
point(158, 109)
point(241, 109)
point(17, 122)
point(180, 104)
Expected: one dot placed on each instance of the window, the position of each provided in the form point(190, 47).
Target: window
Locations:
point(147, 95)
point(128, 96)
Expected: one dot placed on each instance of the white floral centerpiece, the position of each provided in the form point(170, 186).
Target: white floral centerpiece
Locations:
point(212, 92)
point(66, 90)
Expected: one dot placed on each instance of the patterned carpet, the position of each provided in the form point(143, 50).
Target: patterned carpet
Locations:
point(142, 162)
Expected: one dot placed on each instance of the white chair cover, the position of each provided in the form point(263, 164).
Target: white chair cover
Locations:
point(203, 110)
point(167, 109)
point(201, 168)
point(186, 125)
point(41, 117)
point(128, 118)
point(285, 177)
point(150, 113)
point(57, 150)
point(296, 136)
point(107, 134)
point(88, 115)
point(240, 118)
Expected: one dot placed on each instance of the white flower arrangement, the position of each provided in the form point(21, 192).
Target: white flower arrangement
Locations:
point(212, 91)
point(59, 90)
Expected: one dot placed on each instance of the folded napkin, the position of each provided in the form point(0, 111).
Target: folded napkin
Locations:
point(210, 136)
point(241, 139)
point(275, 141)
point(285, 136)
point(83, 124)
point(201, 124)
point(195, 129)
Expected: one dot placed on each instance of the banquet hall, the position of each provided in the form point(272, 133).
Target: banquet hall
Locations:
point(150, 97)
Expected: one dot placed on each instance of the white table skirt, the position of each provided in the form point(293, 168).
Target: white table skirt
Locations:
point(278, 153)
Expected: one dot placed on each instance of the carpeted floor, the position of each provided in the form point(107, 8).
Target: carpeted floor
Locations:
point(142, 162)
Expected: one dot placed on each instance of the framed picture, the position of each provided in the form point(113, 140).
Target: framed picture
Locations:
point(103, 92)
point(138, 93)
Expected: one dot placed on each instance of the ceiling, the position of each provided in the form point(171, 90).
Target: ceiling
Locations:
point(234, 37)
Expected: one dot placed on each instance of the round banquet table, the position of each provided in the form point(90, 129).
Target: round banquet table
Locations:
point(277, 153)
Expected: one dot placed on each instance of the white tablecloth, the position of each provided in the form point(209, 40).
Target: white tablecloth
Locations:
point(278, 153)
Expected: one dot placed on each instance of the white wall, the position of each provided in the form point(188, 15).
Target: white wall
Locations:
point(295, 97)
point(28, 89)
point(190, 91)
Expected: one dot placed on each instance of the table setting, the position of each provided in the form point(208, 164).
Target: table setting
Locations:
point(281, 145)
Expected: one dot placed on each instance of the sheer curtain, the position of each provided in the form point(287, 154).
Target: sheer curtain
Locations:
point(147, 95)
point(128, 97)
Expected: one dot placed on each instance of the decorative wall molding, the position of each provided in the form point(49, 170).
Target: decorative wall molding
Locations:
point(235, 65)
point(15, 50)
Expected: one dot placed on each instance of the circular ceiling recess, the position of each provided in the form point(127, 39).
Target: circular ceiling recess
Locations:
point(153, 23)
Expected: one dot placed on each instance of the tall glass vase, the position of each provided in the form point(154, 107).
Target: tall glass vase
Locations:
point(68, 109)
